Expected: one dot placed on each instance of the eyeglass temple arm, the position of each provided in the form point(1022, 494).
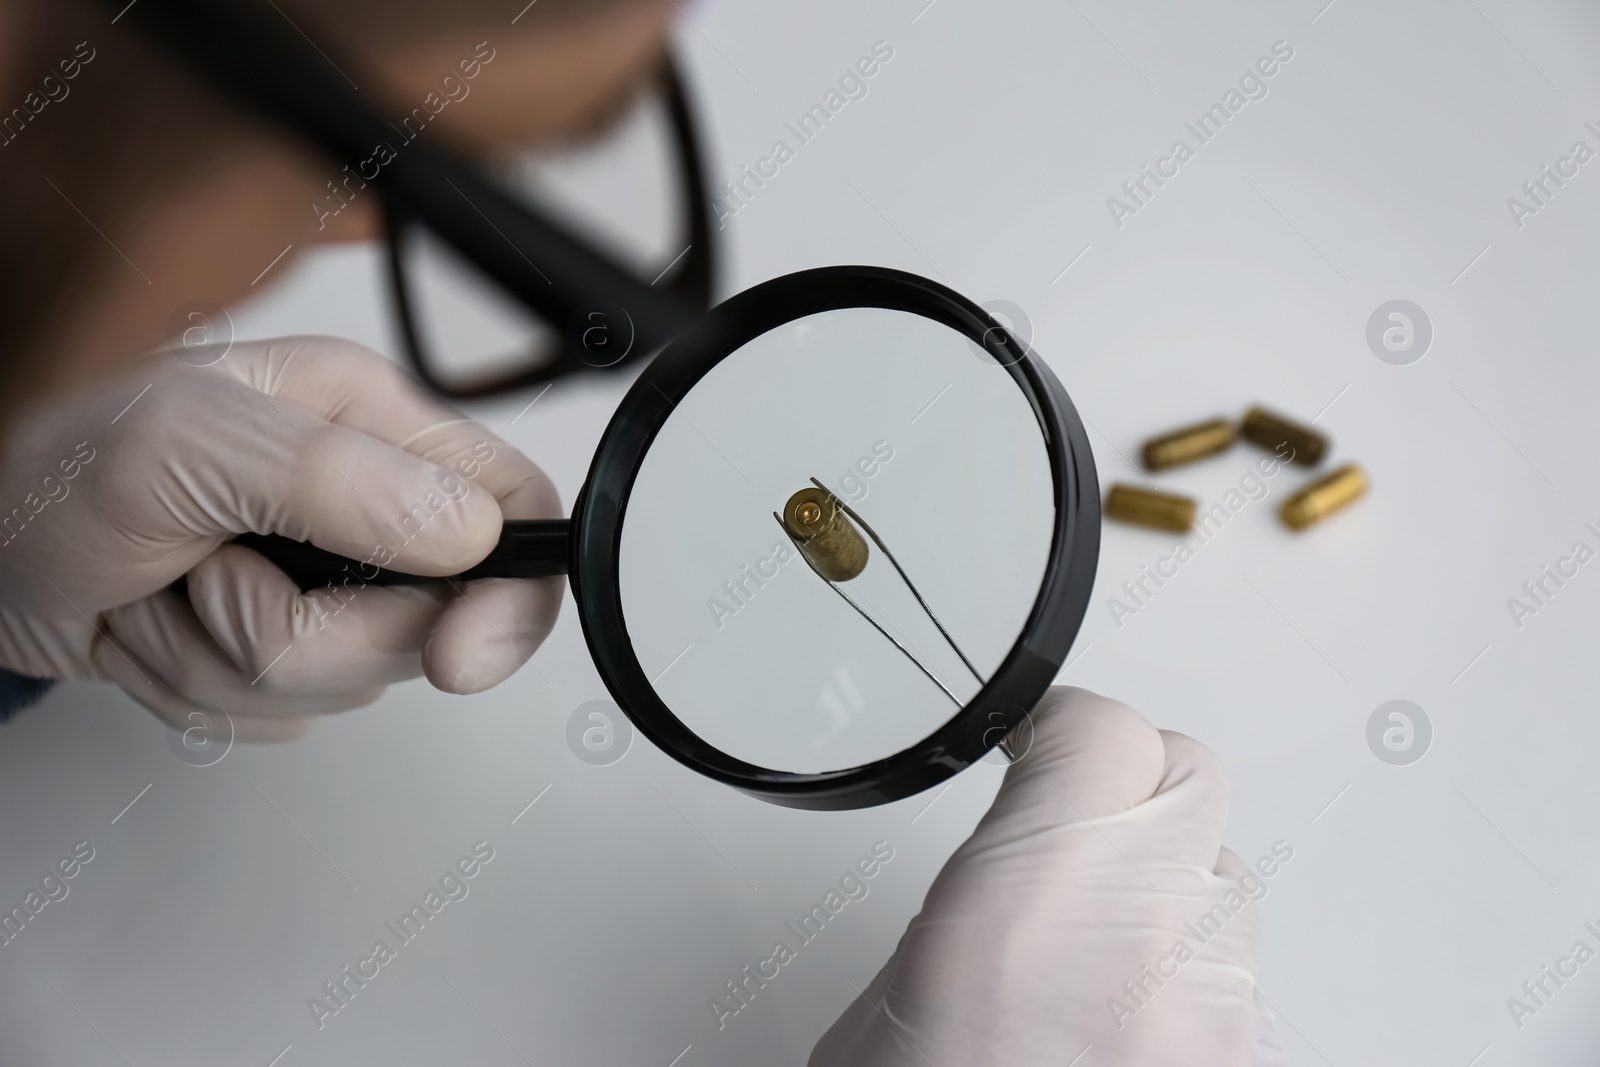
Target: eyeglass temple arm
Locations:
point(241, 49)
point(695, 279)
point(528, 548)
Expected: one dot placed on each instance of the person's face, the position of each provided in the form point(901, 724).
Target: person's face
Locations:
point(209, 240)
point(558, 83)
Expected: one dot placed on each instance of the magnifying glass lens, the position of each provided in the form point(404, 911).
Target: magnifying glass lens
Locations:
point(835, 538)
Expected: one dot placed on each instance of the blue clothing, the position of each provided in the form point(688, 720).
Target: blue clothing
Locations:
point(17, 691)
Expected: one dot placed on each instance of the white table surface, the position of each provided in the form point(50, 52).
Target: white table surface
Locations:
point(1377, 167)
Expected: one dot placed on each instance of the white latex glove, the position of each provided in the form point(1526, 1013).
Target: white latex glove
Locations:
point(1103, 842)
point(314, 438)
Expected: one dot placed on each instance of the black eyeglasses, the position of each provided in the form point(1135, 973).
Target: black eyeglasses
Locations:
point(571, 305)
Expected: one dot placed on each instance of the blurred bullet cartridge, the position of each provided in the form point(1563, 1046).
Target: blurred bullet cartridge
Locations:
point(1323, 497)
point(1188, 444)
point(1145, 507)
point(1271, 432)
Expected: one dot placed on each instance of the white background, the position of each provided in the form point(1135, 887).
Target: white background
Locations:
point(1378, 167)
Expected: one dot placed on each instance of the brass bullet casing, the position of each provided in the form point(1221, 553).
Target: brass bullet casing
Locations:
point(1145, 507)
point(1323, 497)
point(1270, 431)
point(1188, 444)
point(825, 535)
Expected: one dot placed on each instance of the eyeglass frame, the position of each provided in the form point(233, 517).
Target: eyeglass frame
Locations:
point(244, 53)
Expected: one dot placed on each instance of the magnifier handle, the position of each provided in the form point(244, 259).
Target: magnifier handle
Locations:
point(528, 548)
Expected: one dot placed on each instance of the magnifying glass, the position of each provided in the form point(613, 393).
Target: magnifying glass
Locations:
point(836, 541)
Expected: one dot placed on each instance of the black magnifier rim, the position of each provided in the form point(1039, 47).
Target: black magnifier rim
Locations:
point(1029, 667)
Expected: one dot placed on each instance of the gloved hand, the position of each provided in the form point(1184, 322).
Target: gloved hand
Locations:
point(1104, 841)
point(109, 495)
